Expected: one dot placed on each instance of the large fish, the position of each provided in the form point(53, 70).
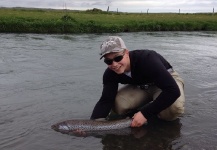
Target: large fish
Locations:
point(69, 126)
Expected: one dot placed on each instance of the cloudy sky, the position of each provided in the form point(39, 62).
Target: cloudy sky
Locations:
point(185, 6)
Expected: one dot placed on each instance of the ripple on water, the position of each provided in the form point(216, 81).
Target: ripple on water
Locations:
point(14, 128)
point(16, 138)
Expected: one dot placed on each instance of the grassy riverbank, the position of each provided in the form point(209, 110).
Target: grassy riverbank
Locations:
point(62, 21)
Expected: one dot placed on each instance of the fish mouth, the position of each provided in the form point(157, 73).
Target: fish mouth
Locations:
point(55, 127)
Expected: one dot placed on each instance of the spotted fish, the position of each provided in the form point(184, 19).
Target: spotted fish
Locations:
point(90, 125)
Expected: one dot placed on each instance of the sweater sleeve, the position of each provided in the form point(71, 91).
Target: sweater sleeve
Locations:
point(106, 101)
point(164, 81)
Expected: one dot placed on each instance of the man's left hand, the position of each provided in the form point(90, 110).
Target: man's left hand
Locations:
point(138, 120)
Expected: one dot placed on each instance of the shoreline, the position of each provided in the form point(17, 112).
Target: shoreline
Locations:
point(23, 20)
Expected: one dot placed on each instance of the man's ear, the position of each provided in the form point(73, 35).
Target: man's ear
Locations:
point(126, 51)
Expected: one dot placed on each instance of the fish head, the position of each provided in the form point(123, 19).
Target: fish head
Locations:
point(55, 127)
point(60, 127)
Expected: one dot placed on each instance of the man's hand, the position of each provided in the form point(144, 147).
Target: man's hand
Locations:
point(138, 120)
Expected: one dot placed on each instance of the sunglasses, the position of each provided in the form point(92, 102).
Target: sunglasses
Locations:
point(116, 59)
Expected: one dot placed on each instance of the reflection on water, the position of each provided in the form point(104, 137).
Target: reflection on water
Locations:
point(156, 135)
point(45, 79)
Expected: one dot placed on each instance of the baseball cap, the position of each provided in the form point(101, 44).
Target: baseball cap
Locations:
point(111, 44)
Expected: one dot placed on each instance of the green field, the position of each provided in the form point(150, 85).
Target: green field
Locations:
point(21, 20)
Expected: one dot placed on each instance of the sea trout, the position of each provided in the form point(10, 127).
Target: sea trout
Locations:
point(90, 125)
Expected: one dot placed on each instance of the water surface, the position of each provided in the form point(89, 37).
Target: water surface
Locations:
point(49, 78)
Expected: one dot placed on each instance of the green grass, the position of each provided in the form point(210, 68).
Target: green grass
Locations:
point(22, 20)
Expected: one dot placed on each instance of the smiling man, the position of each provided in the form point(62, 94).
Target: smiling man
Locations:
point(152, 87)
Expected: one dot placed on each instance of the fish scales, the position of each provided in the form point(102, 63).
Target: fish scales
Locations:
point(90, 125)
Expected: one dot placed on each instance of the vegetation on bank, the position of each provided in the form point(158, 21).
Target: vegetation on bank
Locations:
point(20, 20)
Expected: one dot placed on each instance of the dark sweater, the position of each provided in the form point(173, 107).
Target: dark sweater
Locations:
point(147, 66)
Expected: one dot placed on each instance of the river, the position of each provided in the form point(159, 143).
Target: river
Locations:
point(46, 78)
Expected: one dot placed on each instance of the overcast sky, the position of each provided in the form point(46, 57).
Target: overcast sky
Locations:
point(185, 6)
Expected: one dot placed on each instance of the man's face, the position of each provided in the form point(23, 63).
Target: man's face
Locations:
point(117, 61)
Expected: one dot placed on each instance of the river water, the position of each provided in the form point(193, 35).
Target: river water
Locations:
point(45, 79)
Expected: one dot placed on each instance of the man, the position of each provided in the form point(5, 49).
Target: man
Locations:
point(153, 87)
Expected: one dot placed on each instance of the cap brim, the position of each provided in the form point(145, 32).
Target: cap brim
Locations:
point(114, 51)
